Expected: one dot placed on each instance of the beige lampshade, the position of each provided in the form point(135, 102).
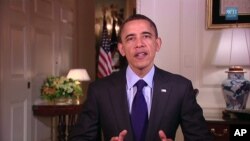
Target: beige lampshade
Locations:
point(233, 48)
point(78, 74)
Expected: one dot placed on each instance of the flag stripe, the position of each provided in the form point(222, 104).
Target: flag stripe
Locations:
point(103, 63)
point(105, 59)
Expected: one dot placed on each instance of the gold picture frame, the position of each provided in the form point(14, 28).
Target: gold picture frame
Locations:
point(215, 18)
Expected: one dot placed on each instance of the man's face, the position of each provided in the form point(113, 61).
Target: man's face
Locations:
point(139, 44)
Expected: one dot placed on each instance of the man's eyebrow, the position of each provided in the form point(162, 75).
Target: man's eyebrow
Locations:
point(129, 35)
point(146, 32)
point(132, 34)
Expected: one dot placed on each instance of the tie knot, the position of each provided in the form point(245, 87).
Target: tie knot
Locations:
point(140, 84)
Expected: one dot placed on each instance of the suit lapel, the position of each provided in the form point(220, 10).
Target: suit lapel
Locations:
point(118, 98)
point(120, 105)
point(161, 92)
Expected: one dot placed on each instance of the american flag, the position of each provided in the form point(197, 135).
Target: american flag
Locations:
point(105, 58)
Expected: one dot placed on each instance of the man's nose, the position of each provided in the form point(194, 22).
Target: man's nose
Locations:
point(139, 43)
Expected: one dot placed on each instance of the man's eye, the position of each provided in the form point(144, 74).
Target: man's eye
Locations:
point(130, 38)
point(146, 36)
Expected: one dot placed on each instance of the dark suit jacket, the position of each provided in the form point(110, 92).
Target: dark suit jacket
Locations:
point(106, 108)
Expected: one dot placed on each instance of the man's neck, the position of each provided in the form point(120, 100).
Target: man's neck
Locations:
point(141, 72)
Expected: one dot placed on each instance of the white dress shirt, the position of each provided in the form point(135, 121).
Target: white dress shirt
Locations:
point(132, 78)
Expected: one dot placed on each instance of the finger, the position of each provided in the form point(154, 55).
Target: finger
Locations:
point(114, 139)
point(122, 135)
point(162, 136)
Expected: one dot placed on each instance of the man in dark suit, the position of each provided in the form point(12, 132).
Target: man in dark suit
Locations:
point(121, 109)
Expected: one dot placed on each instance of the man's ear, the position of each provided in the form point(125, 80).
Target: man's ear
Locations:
point(158, 41)
point(121, 50)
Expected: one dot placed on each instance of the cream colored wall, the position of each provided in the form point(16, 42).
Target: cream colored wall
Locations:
point(188, 49)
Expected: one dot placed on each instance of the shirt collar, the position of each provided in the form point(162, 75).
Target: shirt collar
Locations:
point(132, 78)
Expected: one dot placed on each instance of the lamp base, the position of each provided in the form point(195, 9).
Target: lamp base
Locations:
point(236, 89)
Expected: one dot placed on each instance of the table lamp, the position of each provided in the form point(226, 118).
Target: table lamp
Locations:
point(78, 75)
point(233, 52)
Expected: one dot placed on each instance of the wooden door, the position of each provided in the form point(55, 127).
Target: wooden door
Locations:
point(15, 78)
point(44, 54)
point(36, 41)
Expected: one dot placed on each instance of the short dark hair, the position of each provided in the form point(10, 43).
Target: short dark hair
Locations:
point(136, 17)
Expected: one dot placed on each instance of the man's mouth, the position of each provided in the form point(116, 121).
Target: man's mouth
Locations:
point(141, 55)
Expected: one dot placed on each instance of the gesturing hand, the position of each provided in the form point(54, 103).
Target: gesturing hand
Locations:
point(123, 133)
point(163, 136)
point(121, 136)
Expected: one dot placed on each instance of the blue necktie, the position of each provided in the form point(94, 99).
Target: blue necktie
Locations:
point(139, 113)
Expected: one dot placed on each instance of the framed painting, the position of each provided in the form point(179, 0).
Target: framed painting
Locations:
point(216, 11)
